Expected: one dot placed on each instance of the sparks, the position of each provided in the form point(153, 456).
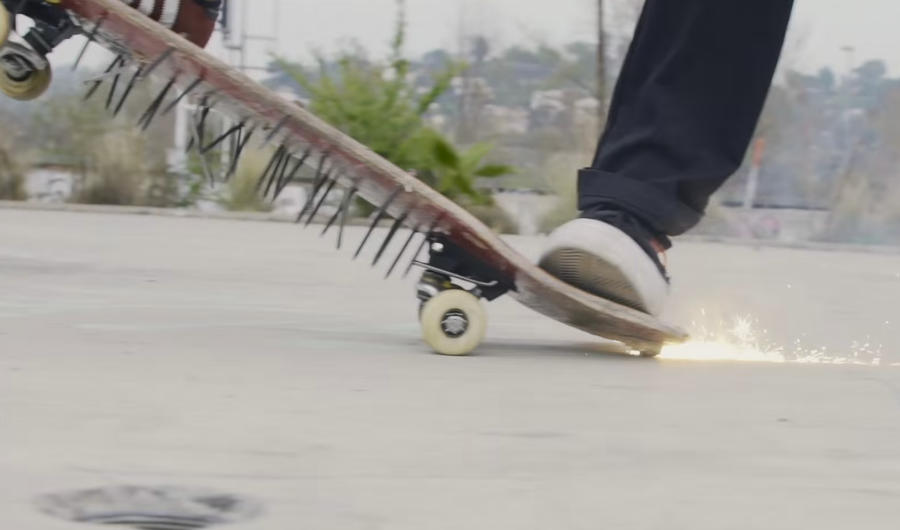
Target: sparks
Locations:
point(740, 341)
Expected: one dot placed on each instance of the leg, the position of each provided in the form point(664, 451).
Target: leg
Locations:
point(688, 99)
point(685, 108)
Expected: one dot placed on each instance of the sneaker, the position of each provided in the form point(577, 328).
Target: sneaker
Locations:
point(613, 255)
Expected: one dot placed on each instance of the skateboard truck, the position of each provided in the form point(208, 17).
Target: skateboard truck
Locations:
point(452, 317)
point(449, 261)
point(25, 72)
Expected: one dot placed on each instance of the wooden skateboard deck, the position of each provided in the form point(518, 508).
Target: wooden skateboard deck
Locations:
point(148, 46)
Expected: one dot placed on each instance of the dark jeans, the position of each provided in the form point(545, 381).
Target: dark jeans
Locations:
point(685, 108)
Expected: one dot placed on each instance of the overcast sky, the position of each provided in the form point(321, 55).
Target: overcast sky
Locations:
point(821, 28)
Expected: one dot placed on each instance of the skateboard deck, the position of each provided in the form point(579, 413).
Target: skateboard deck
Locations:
point(343, 163)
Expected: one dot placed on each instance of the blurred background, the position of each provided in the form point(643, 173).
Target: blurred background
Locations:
point(496, 102)
point(178, 373)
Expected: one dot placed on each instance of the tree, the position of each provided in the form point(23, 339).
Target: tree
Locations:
point(381, 106)
point(601, 63)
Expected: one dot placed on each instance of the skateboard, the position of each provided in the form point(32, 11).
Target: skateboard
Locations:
point(464, 262)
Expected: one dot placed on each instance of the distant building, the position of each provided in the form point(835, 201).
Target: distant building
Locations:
point(51, 181)
point(505, 120)
point(472, 87)
point(548, 108)
point(586, 118)
point(438, 121)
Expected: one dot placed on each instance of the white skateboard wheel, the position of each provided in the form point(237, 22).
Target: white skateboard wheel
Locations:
point(30, 87)
point(453, 322)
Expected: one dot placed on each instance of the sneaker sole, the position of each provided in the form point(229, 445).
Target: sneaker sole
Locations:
point(592, 274)
point(602, 260)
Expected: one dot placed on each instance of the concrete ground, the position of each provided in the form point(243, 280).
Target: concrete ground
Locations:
point(253, 359)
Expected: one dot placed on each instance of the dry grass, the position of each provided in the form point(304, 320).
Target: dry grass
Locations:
point(863, 214)
point(117, 170)
point(561, 170)
point(12, 176)
point(240, 193)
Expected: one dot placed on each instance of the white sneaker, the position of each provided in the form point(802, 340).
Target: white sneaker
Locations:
point(603, 260)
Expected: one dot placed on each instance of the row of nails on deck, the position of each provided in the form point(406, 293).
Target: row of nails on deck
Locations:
point(278, 173)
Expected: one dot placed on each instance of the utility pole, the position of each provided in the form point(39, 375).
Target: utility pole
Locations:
point(237, 37)
point(601, 66)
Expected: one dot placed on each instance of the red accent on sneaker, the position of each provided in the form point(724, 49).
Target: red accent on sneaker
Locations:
point(660, 251)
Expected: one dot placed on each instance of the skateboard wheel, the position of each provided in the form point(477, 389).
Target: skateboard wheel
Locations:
point(5, 25)
point(453, 322)
point(29, 87)
point(652, 352)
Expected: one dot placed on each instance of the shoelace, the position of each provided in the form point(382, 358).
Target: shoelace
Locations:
point(661, 252)
point(653, 243)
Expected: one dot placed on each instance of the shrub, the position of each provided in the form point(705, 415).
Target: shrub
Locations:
point(12, 178)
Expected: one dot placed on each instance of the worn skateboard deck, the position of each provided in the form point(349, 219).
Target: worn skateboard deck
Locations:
point(148, 45)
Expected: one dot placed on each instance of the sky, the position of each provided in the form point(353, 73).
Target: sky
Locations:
point(821, 32)
point(820, 28)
